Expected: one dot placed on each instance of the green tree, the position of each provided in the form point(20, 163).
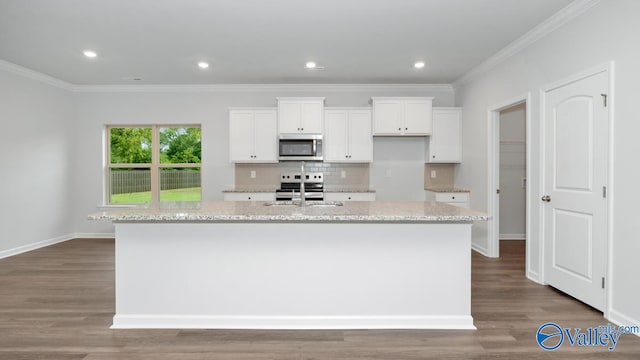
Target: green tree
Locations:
point(130, 145)
point(180, 145)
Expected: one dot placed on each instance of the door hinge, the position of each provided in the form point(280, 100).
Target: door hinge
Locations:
point(603, 282)
point(497, 191)
point(604, 99)
point(604, 191)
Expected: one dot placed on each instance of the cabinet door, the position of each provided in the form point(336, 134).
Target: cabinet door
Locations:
point(335, 136)
point(266, 137)
point(417, 117)
point(289, 117)
point(311, 117)
point(360, 144)
point(387, 117)
point(241, 136)
point(445, 142)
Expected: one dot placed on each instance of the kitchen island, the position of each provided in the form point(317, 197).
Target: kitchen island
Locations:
point(259, 265)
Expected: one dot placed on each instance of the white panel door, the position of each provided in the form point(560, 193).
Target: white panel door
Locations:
point(575, 145)
point(311, 115)
point(288, 117)
point(445, 142)
point(387, 117)
point(417, 117)
point(266, 137)
point(335, 136)
point(241, 136)
point(360, 138)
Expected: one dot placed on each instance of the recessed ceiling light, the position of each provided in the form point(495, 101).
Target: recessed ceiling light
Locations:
point(90, 53)
point(418, 64)
point(203, 65)
point(310, 65)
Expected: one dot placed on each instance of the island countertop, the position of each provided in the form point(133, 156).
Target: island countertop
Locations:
point(259, 211)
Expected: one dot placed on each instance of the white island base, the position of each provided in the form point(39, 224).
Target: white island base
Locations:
point(244, 275)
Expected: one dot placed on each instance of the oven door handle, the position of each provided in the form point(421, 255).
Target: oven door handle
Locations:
point(314, 147)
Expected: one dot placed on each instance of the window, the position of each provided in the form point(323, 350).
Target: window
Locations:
point(153, 163)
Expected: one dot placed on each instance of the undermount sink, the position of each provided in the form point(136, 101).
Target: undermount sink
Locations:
point(308, 203)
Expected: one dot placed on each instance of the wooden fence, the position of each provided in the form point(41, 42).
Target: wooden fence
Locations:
point(139, 180)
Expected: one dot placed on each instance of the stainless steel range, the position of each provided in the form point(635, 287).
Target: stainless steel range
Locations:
point(290, 187)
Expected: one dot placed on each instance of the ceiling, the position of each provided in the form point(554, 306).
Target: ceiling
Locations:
point(260, 41)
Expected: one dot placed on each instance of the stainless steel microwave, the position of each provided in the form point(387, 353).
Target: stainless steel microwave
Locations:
point(300, 147)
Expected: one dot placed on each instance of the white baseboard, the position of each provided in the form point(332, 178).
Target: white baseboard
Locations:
point(53, 241)
point(512, 237)
point(534, 276)
point(480, 250)
point(291, 322)
point(34, 246)
point(95, 235)
point(619, 318)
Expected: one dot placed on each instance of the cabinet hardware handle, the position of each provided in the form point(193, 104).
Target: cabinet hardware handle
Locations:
point(406, 128)
point(302, 129)
point(546, 198)
point(249, 197)
point(434, 156)
point(399, 128)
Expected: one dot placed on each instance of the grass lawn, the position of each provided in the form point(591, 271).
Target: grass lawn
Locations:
point(186, 194)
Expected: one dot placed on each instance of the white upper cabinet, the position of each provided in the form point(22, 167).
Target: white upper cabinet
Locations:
point(300, 115)
point(394, 116)
point(445, 144)
point(347, 135)
point(252, 135)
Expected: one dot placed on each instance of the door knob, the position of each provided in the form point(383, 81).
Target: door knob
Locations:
point(546, 198)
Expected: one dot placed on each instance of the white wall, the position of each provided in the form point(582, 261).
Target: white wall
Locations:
point(512, 171)
point(609, 31)
point(35, 163)
point(404, 165)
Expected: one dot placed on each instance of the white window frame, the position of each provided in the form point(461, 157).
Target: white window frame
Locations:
point(155, 164)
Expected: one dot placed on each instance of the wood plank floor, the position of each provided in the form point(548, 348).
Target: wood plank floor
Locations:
point(57, 303)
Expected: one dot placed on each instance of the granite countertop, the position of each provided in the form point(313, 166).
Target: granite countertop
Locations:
point(446, 189)
point(257, 211)
point(347, 190)
point(249, 190)
point(341, 190)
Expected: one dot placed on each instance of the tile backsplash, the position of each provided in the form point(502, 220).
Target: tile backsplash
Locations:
point(444, 175)
point(267, 176)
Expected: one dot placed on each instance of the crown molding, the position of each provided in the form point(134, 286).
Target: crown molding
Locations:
point(34, 75)
point(262, 88)
point(186, 88)
point(548, 26)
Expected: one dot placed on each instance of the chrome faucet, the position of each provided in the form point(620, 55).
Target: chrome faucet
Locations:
point(302, 190)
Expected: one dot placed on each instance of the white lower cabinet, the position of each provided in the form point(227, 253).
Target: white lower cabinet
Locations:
point(349, 196)
point(243, 196)
point(460, 199)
